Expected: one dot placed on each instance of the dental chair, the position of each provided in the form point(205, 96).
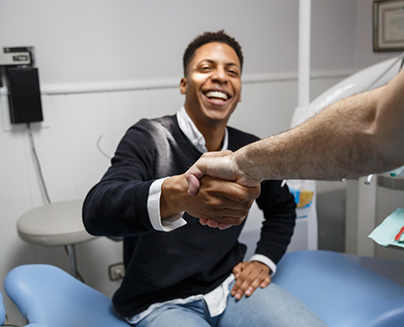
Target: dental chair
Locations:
point(49, 297)
point(339, 291)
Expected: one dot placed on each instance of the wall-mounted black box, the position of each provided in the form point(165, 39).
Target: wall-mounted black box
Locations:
point(24, 95)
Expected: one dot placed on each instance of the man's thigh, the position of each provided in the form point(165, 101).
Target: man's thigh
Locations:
point(270, 307)
point(170, 315)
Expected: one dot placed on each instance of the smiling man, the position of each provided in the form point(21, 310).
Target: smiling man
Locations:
point(178, 271)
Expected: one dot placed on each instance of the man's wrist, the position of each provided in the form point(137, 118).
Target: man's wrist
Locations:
point(247, 169)
point(153, 207)
point(169, 201)
point(266, 261)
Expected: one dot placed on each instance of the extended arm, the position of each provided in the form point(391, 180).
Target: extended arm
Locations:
point(117, 205)
point(353, 137)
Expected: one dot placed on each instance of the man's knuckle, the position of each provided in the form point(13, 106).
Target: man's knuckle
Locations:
point(212, 203)
point(249, 279)
point(243, 196)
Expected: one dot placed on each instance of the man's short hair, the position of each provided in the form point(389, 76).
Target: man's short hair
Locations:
point(209, 37)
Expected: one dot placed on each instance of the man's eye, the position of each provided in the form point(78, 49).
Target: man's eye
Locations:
point(233, 72)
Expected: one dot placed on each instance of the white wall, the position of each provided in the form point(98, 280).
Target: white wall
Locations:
point(92, 40)
point(130, 53)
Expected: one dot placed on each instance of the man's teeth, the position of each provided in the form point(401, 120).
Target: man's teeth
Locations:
point(217, 94)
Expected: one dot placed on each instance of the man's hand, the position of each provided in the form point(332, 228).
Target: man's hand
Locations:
point(249, 276)
point(221, 165)
point(223, 203)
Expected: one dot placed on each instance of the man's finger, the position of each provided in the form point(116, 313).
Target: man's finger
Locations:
point(212, 223)
point(238, 269)
point(265, 282)
point(193, 182)
point(252, 287)
point(203, 221)
point(207, 222)
point(223, 226)
point(242, 194)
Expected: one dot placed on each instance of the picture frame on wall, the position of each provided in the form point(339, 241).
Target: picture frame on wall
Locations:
point(388, 25)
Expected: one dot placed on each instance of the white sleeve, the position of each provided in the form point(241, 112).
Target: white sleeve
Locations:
point(153, 208)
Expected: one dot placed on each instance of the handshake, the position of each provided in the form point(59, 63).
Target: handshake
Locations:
point(236, 188)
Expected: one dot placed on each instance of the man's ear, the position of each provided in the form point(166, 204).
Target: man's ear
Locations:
point(183, 85)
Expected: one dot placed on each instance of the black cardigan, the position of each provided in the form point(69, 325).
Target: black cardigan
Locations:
point(190, 260)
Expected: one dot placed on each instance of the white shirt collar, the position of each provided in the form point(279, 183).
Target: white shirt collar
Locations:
point(188, 127)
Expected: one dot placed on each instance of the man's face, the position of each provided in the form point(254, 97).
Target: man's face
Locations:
point(212, 84)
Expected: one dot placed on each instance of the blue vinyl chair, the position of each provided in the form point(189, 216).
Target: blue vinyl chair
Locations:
point(341, 292)
point(50, 297)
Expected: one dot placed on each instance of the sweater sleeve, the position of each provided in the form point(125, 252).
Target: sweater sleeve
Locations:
point(279, 210)
point(117, 205)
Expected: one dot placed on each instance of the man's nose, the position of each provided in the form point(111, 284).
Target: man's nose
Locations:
point(219, 75)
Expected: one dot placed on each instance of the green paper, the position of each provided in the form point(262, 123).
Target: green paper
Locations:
point(385, 233)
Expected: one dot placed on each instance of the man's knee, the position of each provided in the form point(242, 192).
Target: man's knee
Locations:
point(271, 306)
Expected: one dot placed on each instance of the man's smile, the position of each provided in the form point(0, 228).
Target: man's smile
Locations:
point(216, 95)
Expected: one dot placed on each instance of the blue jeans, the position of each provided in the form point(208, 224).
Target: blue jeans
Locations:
point(268, 307)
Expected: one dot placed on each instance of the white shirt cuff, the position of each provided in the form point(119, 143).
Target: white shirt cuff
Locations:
point(266, 261)
point(153, 208)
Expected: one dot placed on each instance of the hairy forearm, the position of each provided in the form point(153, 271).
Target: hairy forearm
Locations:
point(351, 138)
